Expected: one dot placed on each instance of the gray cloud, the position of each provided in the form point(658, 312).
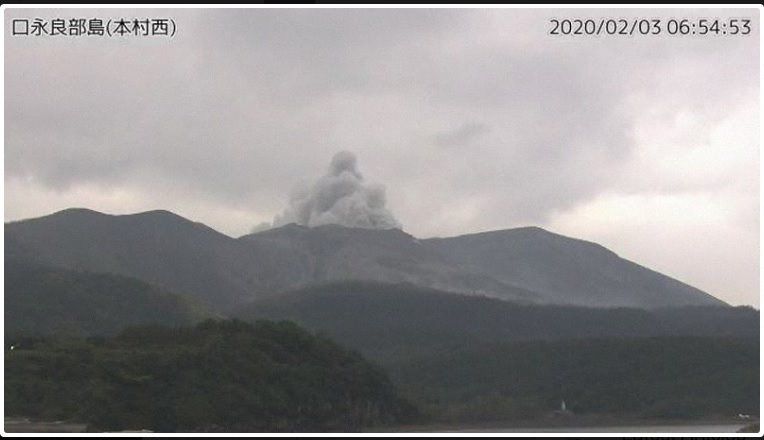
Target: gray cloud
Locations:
point(462, 136)
point(474, 119)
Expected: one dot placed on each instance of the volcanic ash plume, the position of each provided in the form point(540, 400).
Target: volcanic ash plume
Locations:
point(340, 197)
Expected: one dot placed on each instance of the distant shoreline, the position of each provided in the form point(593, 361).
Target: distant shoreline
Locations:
point(22, 424)
point(576, 424)
point(598, 423)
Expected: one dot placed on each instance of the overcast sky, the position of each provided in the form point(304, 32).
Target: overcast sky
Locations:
point(473, 120)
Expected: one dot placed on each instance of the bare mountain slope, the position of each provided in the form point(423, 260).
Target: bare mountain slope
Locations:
point(527, 265)
point(566, 270)
point(334, 253)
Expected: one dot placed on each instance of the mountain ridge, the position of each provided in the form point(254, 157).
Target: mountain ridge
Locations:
point(525, 265)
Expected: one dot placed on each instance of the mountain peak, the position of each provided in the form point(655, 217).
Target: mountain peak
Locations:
point(73, 212)
point(86, 212)
point(77, 211)
point(159, 215)
point(155, 213)
point(516, 264)
point(79, 215)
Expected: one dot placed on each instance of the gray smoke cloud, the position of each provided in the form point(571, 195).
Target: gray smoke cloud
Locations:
point(340, 197)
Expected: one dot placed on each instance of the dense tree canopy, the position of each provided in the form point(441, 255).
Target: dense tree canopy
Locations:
point(42, 300)
point(669, 377)
point(218, 376)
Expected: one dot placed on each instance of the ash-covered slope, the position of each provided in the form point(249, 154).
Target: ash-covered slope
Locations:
point(566, 270)
point(307, 256)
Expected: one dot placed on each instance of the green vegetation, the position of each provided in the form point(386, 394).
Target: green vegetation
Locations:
point(456, 358)
point(42, 300)
point(476, 359)
point(377, 317)
point(226, 376)
point(665, 377)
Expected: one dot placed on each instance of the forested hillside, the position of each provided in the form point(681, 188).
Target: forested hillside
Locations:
point(661, 377)
point(377, 317)
point(41, 300)
point(225, 376)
